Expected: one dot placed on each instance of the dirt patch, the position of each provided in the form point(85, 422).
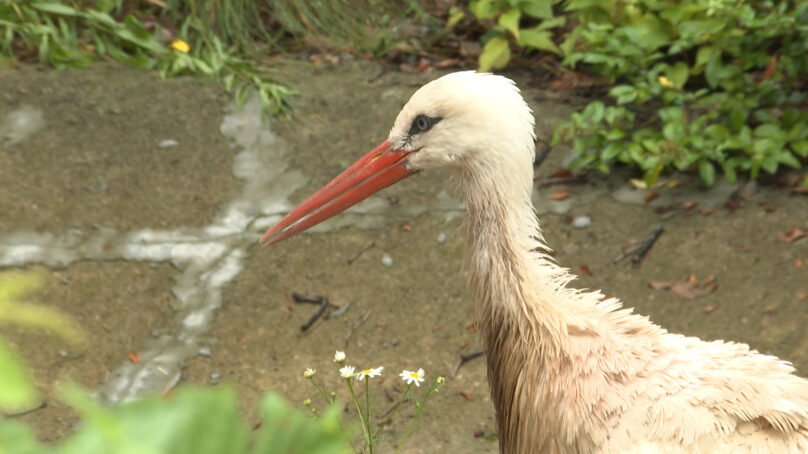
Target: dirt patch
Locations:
point(97, 159)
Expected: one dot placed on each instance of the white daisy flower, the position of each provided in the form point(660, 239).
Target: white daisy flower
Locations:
point(347, 371)
point(339, 356)
point(413, 377)
point(369, 373)
point(309, 372)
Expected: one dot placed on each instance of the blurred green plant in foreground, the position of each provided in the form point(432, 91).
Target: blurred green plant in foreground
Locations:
point(17, 391)
point(189, 421)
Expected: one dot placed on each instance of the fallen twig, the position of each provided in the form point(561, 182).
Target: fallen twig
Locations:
point(320, 312)
point(543, 149)
point(639, 254)
point(337, 311)
point(354, 328)
point(304, 298)
point(358, 253)
point(464, 359)
point(40, 406)
point(572, 179)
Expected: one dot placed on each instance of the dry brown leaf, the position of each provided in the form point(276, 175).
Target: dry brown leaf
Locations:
point(793, 235)
point(798, 262)
point(585, 270)
point(688, 290)
point(689, 287)
point(771, 67)
point(467, 396)
point(134, 357)
point(559, 195)
point(649, 196)
point(660, 285)
point(709, 308)
point(707, 211)
point(689, 205)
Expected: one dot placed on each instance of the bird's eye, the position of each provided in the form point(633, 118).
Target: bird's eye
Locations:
point(422, 123)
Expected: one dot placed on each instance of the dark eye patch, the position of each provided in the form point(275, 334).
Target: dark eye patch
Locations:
point(422, 123)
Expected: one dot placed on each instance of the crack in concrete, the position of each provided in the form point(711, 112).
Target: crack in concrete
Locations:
point(208, 258)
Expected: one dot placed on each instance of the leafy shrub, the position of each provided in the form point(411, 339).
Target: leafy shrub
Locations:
point(706, 83)
point(717, 85)
point(60, 34)
point(528, 23)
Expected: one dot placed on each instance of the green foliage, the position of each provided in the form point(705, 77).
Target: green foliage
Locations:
point(192, 421)
point(61, 34)
point(17, 391)
point(527, 23)
point(710, 84)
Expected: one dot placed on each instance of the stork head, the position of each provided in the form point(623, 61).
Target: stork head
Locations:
point(463, 120)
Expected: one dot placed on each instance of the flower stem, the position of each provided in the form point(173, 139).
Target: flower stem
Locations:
point(419, 407)
point(322, 391)
point(367, 401)
point(365, 423)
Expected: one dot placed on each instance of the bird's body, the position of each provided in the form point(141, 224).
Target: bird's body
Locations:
point(570, 371)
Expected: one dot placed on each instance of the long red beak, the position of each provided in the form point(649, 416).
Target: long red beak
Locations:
point(373, 172)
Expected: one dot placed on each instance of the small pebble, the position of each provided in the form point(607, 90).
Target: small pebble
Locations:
point(394, 342)
point(582, 222)
point(63, 353)
point(441, 238)
point(214, 378)
point(204, 351)
point(65, 280)
point(387, 260)
point(168, 143)
point(153, 265)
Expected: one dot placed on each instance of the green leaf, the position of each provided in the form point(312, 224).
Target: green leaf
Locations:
point(615, 134)
point(455, 15)
point(284, 431)
point(55, 8)
point(192, 421)
point(496, 54)
point(788, 159)
point(652, 175)
point(19, 438)
point(105, 6)
point(707, 172)
point(17, 391)
point(770, 131)
point(703, 55)
point(552, 23)
point(538, 39)
point(510, 20)
point(800, 147)
point(542, 9)
point(730, 174)
point(484, 9)
point(678, 74)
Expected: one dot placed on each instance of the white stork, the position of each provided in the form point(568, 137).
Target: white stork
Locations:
point(570, 371)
